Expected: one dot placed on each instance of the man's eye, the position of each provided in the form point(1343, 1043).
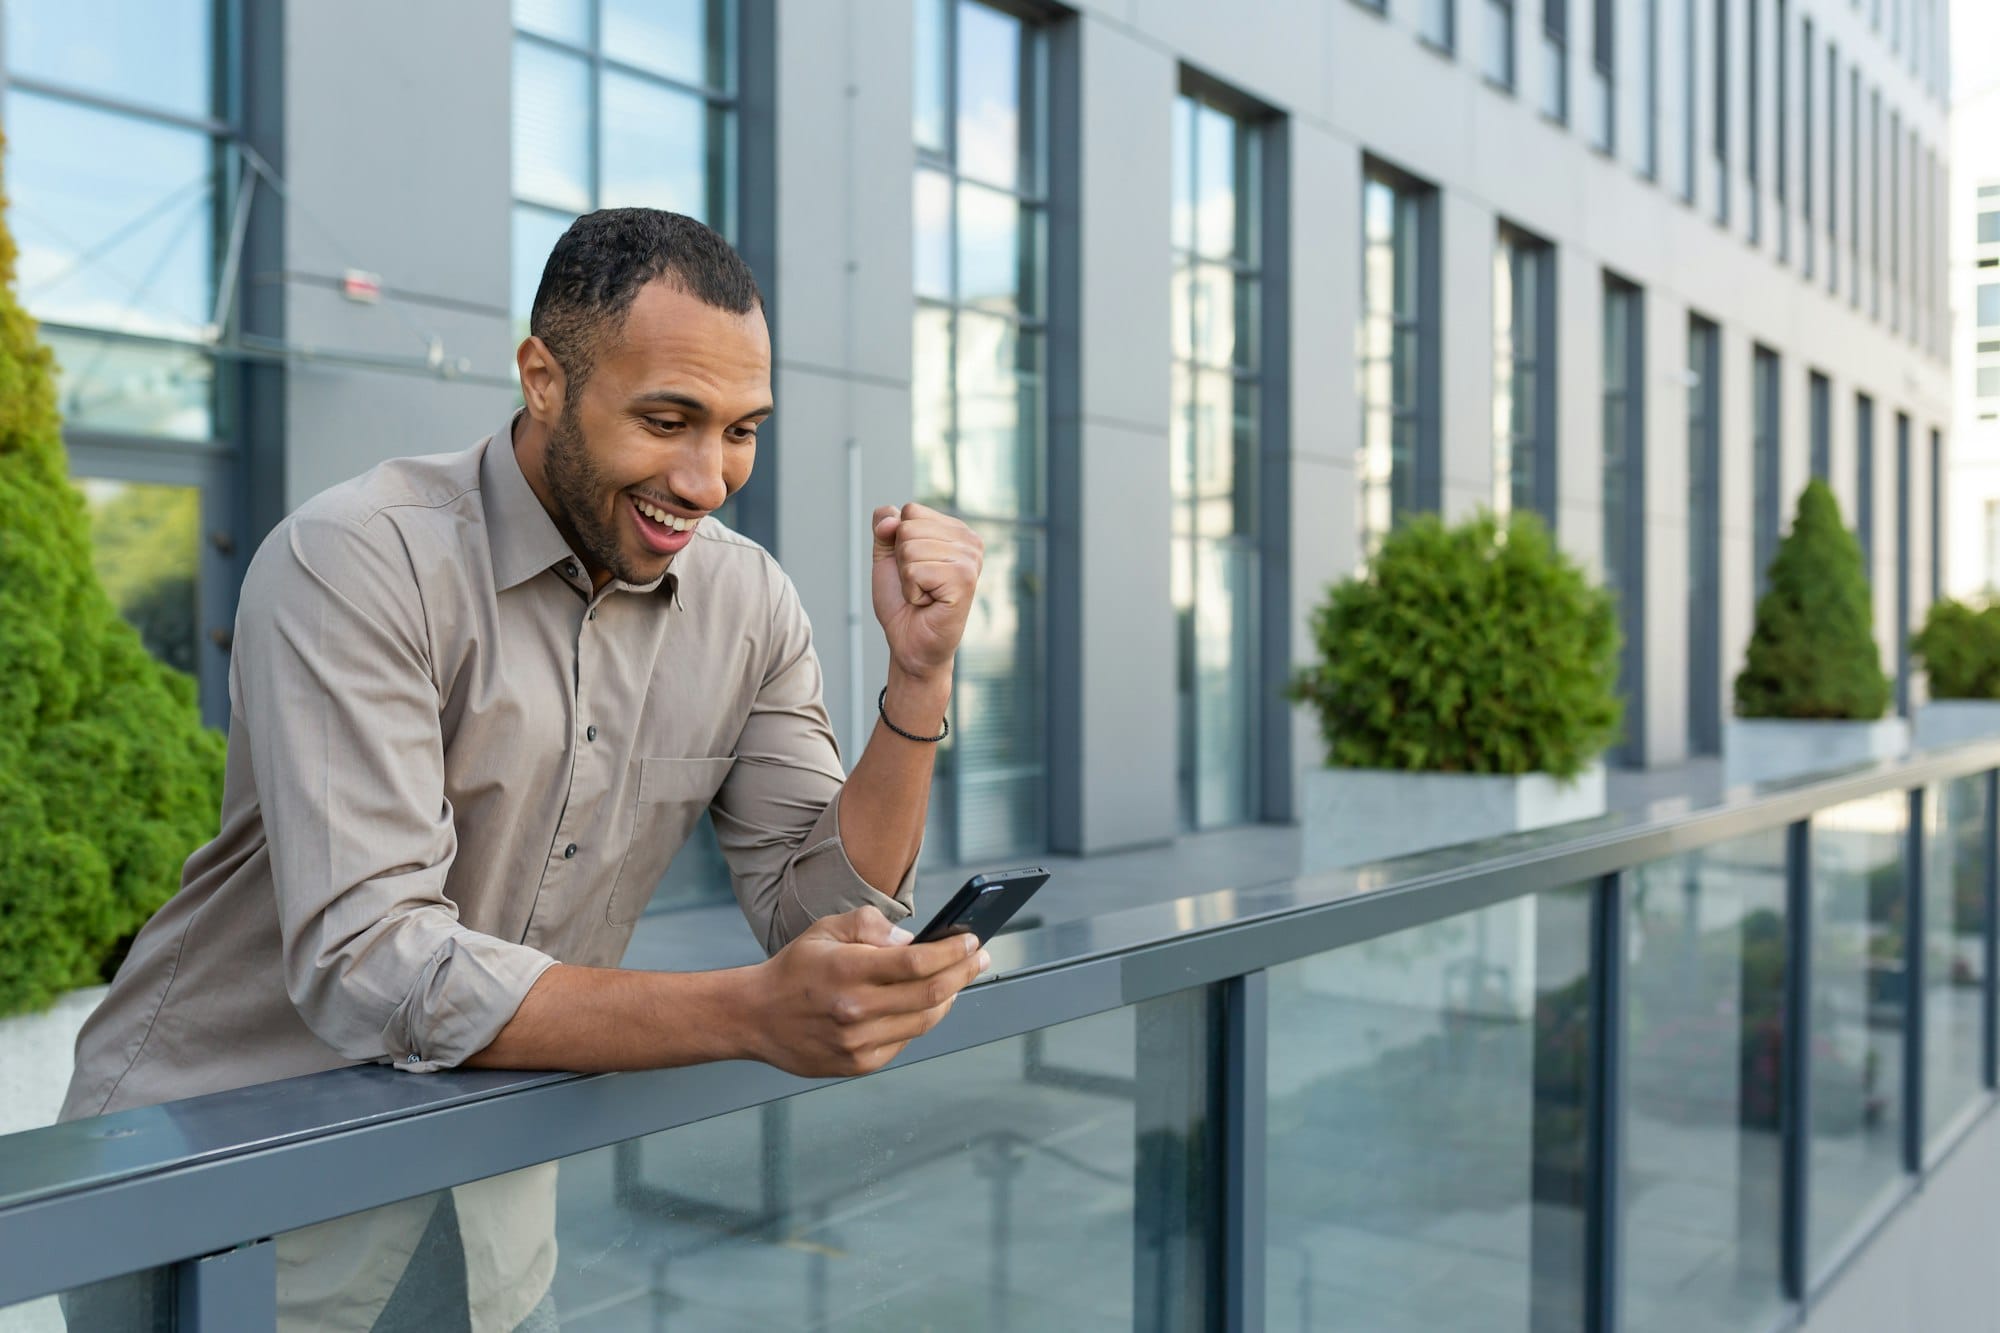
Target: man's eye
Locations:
point(742, 433)
point(660, 424)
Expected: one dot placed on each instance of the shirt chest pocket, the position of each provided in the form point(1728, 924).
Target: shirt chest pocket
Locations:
point(672, 793)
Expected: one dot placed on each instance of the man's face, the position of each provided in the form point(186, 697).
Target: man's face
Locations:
point(663, 431)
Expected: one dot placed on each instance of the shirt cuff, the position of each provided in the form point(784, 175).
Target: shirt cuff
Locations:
point(821, 881)
point(468, 991)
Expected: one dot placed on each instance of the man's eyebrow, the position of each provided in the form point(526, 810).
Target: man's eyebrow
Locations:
point(672, 398)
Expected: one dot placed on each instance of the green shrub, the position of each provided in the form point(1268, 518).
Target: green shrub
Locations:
point(1474, 648)
point(1812, 653)
point(1959, 647)
point(107, 777)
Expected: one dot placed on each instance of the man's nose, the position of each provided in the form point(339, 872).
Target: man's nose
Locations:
point(696, 476)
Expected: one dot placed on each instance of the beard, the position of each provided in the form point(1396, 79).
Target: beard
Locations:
point(578, 484)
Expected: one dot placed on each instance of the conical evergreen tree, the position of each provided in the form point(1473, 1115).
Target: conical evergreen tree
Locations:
point(1813, 654)
point(107, 777)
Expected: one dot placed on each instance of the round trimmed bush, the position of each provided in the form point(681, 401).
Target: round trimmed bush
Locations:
point(1812, 654)
point(1959, 647)
point(1473, 648)
point(107, 777)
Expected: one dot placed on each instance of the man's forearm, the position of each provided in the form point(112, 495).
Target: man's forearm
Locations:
point(598, 1019)
point(887, 796)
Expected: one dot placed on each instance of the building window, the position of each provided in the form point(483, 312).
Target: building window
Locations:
point(1989, 305)
point(1781, 180)
point(1864, 481)
point(1854, 192)
point(1719, 84)
point(1753, 121)
point(1497, 61)
point(1833, 167)
point(1819, 401)
point(1217, 373)
point(1399, 361)
point(1895, 224)
point(1688, 74)
point(1905, 493)
point(1524, 372)
point(1439, 24)
point(618, 105)
point(1806, 154)
point(1704, 638)
point(1649, 90)
point(1555, 60)
point(979, 404)
point(1987, 384)
point(1766, 496)
point(1625, 496)
point(1989, 228)
point(123, 168)
point(1937, 515)
point(1992, 584)
point(1604, 76)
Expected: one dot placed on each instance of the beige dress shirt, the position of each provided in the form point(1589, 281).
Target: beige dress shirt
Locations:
point(452, 765)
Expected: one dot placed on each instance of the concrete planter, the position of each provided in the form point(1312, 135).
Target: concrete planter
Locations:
point(37, 1052)
point(1951, 721)
point(1764, 749)
point(1352, 815)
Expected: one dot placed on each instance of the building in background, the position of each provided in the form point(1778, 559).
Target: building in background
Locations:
point(1972, 513)
point(1184, 305)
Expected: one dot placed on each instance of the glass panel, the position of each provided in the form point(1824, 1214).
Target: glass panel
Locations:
point(1703, 1040)
point(931, 201)
point(564, 20)
point(161, 53)
point(1498, 61)
point(1426, 1137)
point(1954, 949)
point(133, 388)
point(551, 127)
point(1434, 23)
point(1989, 304)
point(989, 96)
point(140, 1302)
point(1216, 205)
point(1224, 680)
point(536, 232)
point(998, 715)
point(1181, 217)
point(1034, 1183)
point(681, 39)
point(932, 110)
point(115, 218)
point(1857, 1015)
point(145, 544)
point(1223, 308)
point(1989, 228)
point(999, 415)
point(654, 145)
point(992, 261)
point(931, 404)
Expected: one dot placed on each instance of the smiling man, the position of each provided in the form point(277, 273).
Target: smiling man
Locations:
point(479, 700)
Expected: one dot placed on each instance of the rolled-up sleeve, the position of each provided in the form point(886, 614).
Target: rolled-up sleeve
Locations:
point(334, 686)
point(777, 816)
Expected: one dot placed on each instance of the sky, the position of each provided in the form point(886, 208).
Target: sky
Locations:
point(1975, 46)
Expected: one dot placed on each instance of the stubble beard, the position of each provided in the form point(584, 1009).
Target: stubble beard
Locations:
point(578, 486)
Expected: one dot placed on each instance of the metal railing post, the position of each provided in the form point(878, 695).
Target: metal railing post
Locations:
point(1605, 1242)
point(1914, 1033)
point(1989, 987)
point(1795, 1090)
point(1245, 1087)
point(232, 1292)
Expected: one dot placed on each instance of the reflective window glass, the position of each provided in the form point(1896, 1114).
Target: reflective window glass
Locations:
point(145, 544)
point(1426, 1139)
point(990, 141)
point(653, 147)
point(551, 127)
point(564, 20)
point(114, 216)
point(932, 101)
point(680, 39)
point(157, 54)
point(1704, 1039)
point(133, 388)
point(536, 231)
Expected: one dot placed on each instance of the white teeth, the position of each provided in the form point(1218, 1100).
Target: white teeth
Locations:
point(663, 518)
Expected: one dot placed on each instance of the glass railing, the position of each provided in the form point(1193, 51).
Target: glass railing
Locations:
point(1670, 1069)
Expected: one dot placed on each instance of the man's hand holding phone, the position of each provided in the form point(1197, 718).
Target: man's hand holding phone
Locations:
point(850, 992)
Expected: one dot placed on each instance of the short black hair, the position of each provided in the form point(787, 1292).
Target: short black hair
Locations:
point(597, 268)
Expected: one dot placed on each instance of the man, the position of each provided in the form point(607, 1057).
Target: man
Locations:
point(478, 702)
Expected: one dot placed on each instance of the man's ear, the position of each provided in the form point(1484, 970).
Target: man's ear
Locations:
point(543, 384)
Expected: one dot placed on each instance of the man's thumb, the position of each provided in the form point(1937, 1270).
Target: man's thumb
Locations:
point(885, 546)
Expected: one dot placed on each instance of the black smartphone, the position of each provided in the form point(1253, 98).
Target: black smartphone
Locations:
point(984, 903)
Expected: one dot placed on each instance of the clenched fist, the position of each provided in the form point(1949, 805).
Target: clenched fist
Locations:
point(926, 568)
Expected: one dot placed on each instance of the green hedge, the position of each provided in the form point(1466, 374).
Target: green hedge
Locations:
point(1959, 647)
point(107, 777)
point(1812, 654)
point(1475, 648)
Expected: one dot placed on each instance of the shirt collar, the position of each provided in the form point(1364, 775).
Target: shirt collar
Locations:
point(523, 539)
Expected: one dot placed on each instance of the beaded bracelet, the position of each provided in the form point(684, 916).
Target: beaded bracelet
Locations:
point(881, 702)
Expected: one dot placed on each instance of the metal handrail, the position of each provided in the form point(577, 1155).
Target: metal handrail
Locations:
point(85, 1201)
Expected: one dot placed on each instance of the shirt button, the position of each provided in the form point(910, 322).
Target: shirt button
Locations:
point(590, 733)
point(413, 1058)
point(570, 569)
point(591, 616)
point(569, 851)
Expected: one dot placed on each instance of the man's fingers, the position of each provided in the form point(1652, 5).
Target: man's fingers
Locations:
point(918, 995)
point(884, 525)
point(863, 925)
